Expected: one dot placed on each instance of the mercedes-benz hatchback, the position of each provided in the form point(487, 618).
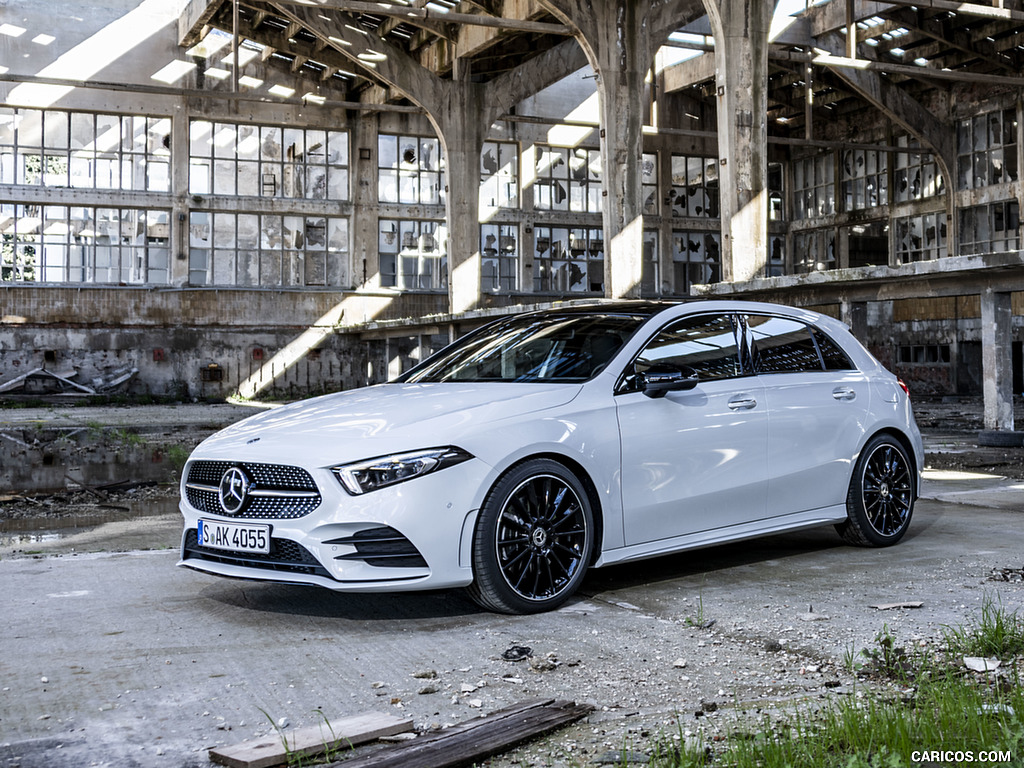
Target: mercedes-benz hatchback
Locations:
point(551, 442)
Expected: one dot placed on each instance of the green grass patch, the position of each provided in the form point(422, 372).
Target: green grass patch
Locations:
point(994, 633)
point(910, 705)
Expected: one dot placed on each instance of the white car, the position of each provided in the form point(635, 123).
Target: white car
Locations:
point(555, 441)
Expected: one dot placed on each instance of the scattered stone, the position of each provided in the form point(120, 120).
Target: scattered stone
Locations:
point(978, 664)
point(1011, 575)
point(543, 663)
point(475, 703)
point(283, 723)
point(998, 709)
point(517, 653)
point(428, 689)
point(377, 685)
point(679, 663)
point(772, 646)
point(621, 757)
point(425, 674)
point(812, 616)
point(467, 688)
point(891, 606)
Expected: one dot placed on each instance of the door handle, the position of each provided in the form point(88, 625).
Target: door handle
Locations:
point(844, 393)
point(742, 403)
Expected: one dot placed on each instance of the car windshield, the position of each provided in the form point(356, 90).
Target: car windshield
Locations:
point(531, 348)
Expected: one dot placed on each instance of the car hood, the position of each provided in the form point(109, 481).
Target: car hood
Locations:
point(381, 419)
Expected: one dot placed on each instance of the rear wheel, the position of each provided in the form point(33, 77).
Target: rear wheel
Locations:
point(880, 501)
point(533, 539)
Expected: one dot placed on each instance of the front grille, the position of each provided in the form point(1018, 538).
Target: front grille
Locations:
point(384, 547)
point(285, 555)
point(276, 491)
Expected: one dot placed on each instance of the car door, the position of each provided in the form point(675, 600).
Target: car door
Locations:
point(817, 402)
point(692, 460)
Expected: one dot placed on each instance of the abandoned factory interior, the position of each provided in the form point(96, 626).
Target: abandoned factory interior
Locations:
point(276, 198)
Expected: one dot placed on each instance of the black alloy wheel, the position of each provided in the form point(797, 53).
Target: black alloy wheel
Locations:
point(880, 501)
point(533, 540)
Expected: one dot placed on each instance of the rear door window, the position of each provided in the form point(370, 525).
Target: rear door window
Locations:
point(781, 345)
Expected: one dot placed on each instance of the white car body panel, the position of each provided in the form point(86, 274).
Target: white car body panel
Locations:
point(716, 474)
point(813, 409)
point(672, 473)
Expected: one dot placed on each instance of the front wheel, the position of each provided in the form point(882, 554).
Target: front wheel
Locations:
point(880, 501)
point(533, 540)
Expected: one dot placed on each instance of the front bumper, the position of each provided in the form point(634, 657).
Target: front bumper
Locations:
point(414, 535)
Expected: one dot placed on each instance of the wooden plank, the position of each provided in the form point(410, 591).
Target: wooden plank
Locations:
point(309, 742)
point(476, 740)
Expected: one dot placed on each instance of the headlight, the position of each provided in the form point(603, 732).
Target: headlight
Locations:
point(365, 476)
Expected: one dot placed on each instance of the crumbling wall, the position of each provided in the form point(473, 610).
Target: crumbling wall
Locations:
point(205, 344)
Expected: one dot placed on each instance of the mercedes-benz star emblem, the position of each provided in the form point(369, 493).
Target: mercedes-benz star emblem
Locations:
point(234, 486)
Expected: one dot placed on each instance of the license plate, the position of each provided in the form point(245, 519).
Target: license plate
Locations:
point(234, 536)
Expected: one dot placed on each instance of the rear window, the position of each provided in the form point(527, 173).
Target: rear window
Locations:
point(781, 345)
point(833, 355)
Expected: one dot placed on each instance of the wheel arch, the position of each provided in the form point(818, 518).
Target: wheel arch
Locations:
point(907, 444)
point(581, 473)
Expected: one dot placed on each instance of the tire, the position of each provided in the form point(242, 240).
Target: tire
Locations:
point(533, 539)
point(880, 501)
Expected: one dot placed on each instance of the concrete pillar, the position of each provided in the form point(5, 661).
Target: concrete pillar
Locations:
point(180, 208)
point(620, 46)
point(462, 127)
point(997, 360)
point(741, 59)
point(462, 165)
point(365, 235)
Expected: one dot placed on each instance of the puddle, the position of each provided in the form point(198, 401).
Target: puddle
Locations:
point(56, 460)
point(153, 523)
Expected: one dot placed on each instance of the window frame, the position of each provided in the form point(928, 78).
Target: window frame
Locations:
point(627, 384)
point(627, 380)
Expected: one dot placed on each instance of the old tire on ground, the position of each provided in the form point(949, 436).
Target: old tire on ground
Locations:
point(533, 539)
point(880, 501)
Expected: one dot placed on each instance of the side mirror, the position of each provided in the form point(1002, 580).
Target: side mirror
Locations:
point(662, 378)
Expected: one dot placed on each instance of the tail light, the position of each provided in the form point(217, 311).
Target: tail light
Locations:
point(903, 386)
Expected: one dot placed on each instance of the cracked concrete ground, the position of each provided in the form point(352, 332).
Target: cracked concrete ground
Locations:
point(114, 657)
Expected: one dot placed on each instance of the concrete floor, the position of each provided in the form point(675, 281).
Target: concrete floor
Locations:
point(118, 658)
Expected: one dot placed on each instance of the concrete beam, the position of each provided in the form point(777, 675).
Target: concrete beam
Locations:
point(845, 63)
point(975, 46)
point(369, 53)
point(688, 73)
point(951, 276)
point(413, 14)
point(966, 9)
point(537, 74)
point(829, 17)
point(928, 128)
point(194, 17)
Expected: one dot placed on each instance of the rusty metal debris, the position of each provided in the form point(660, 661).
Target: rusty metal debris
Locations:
point(41, 382)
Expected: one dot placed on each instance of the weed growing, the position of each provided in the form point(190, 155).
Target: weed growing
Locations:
point(911, 702)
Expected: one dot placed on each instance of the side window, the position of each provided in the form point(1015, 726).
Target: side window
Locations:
point(833, 355)
point(780, 345)
point(706, 343)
